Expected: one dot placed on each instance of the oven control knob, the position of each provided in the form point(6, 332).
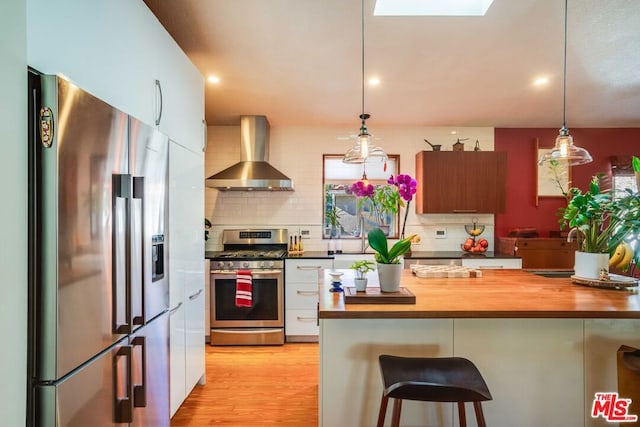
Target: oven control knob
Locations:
point(220, 264)
point(245, 264)
point(261, 265)
point(230, 264)
point(271, 263)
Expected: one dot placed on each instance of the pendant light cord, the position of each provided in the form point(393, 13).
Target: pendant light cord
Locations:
point(564, 70)
point(362, 12)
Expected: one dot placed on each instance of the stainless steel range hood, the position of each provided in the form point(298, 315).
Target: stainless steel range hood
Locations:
point(253, 172)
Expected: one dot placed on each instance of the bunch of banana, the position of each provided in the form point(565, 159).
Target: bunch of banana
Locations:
point(622, 256)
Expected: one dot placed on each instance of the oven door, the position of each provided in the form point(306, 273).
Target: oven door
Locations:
point(267, 294)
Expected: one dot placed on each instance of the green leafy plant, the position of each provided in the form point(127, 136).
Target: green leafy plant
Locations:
point(384, 255)
point(207, 226)
point(333, 218)
point(600, 221)
point(362, 267)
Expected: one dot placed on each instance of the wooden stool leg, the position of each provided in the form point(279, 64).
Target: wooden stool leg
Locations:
point(383, 410)
point(461, 415)
point(477, 406)
point(395, 418)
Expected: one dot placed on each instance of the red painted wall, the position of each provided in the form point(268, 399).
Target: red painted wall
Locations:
point(521, 209)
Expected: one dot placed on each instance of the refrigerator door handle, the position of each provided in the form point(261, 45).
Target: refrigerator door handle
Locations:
point(158, 102)
point(174, 309)
point(123, 406)
point(140, 390)
point(138, 193)
point(195, 295)
point(120, 262)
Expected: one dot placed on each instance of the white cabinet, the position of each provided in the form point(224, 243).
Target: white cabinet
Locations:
point(117, 50)
point(302, 277)
point(186, 272)
point(492, 263)
point(344, 261)
point(179, 101)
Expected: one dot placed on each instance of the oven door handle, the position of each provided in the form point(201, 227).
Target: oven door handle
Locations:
point(257, 274)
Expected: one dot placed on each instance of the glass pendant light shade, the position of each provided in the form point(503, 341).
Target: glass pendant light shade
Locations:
point(364, 150)
point(564, 149)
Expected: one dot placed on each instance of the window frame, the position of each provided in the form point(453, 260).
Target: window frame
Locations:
point(338, 188)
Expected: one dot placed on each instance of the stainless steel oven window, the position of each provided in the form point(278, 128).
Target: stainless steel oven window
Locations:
point(268, 299)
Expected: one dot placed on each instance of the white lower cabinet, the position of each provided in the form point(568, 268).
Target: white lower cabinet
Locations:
point(492, 263)
point(177, 357)
point(302, 277)
point(186, 273)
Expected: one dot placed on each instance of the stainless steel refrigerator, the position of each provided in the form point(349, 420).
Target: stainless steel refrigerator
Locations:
point(98, 286)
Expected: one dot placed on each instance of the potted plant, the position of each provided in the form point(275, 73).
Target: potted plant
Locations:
point(207, 226)
point(361, 268)
point(333, 220)
point(388, 259)
point(601, 223)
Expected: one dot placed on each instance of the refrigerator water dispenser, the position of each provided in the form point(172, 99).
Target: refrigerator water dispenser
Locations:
point(157, 257)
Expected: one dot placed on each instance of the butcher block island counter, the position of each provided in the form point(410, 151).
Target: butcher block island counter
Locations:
point(544, 346)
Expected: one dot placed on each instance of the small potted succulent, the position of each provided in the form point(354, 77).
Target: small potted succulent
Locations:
point(361, 269)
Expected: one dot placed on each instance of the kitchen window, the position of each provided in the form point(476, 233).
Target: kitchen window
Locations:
point(341, 218)
point(622, 176)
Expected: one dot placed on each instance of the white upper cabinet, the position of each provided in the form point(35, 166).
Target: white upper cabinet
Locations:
point(116, 50)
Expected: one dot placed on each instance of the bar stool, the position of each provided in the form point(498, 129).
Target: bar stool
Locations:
point(431, 379)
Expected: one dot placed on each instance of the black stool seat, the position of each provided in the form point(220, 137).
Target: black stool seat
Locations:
point(432, 379)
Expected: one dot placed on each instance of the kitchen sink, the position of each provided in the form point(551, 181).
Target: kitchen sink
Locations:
point(554, 274)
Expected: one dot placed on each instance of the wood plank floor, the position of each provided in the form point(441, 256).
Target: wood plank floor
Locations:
point(255, 386)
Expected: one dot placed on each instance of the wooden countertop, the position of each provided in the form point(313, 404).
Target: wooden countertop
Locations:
point(456, 255)
point(498, 294)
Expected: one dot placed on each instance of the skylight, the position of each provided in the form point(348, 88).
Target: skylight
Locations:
point(431, 7)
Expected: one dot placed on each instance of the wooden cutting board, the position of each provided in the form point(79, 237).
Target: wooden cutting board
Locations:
point(375, 296)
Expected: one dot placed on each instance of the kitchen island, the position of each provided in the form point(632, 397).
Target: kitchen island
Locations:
point(544, 346)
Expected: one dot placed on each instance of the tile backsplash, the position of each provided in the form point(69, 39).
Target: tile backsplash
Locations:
point(297, 152)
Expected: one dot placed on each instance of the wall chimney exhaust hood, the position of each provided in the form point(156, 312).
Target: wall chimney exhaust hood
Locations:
point(253, 172)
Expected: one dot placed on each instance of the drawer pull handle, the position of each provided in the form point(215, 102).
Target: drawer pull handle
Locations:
point(306, 319)
point(307, 293)
point(308, 267)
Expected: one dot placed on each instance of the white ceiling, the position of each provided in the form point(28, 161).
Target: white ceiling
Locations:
point(299, 62)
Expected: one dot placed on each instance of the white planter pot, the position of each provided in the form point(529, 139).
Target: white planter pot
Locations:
point(361, 284)
point(389, 277)
point(589, 265)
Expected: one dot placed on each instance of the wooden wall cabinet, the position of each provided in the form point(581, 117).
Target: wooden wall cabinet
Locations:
point(461, 181)
point(540, 252)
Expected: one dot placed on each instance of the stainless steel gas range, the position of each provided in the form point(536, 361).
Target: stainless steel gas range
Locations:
point(260, 252)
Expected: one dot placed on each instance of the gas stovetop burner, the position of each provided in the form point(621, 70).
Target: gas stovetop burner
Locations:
point(246, 254)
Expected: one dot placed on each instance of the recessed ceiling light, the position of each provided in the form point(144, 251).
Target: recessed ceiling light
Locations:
point(453, 132)
point(374, 81)
point(213, 79)
point(541, 81)
point(431, 8)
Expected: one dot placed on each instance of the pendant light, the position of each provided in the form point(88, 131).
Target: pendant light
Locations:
point(364, 150)
point(564, 148)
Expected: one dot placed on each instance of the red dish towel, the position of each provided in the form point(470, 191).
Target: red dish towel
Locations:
point(243, 288)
